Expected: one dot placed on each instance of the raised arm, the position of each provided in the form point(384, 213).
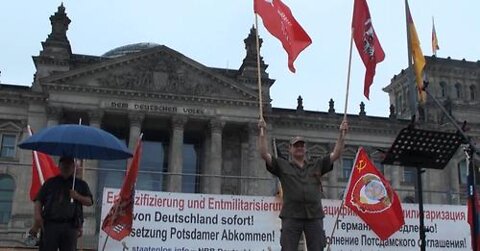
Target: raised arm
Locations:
point(338, 149)
point(262, 142)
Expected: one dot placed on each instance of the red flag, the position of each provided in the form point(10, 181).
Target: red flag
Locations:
point(366, 41)
point(473, 218)
point(279, 21)
point(48, 169)
point(118, 222)
point(470, 218)
point(370, 196)
point(43, 168)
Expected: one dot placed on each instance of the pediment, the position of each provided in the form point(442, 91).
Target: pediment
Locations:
point(10, 127)
point(156, 70)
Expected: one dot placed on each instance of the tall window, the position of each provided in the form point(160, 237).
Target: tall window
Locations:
point(110, 174)
point(347, 164)
point(7, 187)
point(472, 92)
point(462, 172)
point(7, 145)
point(458, 90)
point(399, 102)
point(191, 167)
point(153, 164)
point(443, 89)
point(409, 175)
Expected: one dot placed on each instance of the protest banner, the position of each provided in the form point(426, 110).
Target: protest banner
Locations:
point(182, 221)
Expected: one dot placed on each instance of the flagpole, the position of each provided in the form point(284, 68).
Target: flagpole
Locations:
point(105, 243)
point(348, 75)
point(75, 168)
point(37, 162)
point(344, 117)
point(411, 83)
point(336, 220)
point(259, 77)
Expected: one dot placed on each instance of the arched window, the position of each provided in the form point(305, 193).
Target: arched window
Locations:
point(443, 89)
point(7, 187)
point(472, 92)
point(458, 90)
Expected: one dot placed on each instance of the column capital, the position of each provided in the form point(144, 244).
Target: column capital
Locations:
point(252, 128)
point(95, 116)
point(178, 122)
point(216, 125)
point(136, 119)
point(54, 112)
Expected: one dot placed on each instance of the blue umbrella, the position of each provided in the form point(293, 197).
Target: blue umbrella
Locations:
point(77, 141)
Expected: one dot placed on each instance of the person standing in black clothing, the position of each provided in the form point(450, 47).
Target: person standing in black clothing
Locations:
point(56, 214)
point(302, 189)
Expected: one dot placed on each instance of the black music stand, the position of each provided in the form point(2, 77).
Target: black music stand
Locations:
point(424, 150)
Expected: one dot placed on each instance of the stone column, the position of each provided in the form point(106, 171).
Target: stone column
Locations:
point(89, 174)
point(136, 120)
point(214, 168)
point(205, 164)
point(256, 165)
point(175, 156)
point(53, 116)
point(454, 181)
point(245, 166)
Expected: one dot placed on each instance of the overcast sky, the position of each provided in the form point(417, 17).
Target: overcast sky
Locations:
point(212, 32)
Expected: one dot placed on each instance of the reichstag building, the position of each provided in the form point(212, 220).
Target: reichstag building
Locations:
point(200, 124)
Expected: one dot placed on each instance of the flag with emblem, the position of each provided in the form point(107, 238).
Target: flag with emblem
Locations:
point(367, 42)
point(118, 222)
point(279, 21)
point(370, 196)
point(43, 168)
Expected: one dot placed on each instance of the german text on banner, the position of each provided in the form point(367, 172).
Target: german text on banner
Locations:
point(279, 21)
point(370, 196)
point(192, 221)
point(366, 41)
point(118, 223)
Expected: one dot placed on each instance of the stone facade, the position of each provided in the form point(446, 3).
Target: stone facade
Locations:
point(173, 99)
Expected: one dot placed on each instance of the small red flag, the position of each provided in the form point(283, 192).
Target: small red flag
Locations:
point(473, 218)
point(118, 222)
point(366, 41)
point(475, 228)
point(43, 168)
point(370, 196)
point(279, 21)
point(48, 169)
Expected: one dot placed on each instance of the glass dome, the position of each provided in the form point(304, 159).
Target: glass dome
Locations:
point(128, 49)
